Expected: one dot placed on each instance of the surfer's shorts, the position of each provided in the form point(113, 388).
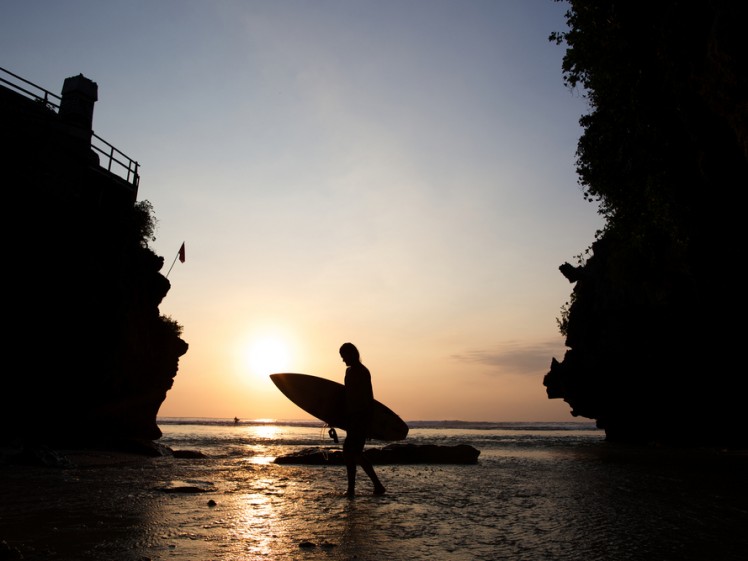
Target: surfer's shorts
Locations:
point(354, 442)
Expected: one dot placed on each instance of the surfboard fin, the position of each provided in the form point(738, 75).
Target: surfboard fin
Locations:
point(333, 434)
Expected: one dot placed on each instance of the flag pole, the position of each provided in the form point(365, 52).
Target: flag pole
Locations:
point(180, 256)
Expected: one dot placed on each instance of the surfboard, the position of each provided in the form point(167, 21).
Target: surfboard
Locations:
point(325, 399)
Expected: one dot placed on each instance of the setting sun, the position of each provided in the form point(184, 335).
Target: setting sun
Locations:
point(267, 355)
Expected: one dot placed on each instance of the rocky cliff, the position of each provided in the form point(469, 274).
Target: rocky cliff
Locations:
point(88, 356)
point(653, 324)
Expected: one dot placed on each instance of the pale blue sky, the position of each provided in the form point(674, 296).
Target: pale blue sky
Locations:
point(399, 174)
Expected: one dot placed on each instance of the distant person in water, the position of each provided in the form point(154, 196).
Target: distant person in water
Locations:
point(359, 402)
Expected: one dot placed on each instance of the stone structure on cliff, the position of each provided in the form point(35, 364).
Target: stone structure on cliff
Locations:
point(88, 356)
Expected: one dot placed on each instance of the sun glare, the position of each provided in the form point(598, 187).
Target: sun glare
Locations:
point(267, 355)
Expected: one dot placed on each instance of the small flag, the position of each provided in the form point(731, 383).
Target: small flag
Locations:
point(181, 253)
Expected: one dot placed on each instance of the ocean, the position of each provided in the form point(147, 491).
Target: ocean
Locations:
point(552, 491)
point(261, 441)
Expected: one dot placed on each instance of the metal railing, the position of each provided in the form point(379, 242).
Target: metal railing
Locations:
point(45, 98)
point(113, 155)
point(125, 167)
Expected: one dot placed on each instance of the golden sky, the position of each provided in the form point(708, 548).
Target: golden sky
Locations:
point(398, 174)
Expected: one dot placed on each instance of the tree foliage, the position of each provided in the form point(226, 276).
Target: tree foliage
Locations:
point(145, 222)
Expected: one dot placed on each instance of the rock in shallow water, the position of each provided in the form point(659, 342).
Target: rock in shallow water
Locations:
point(390, 454)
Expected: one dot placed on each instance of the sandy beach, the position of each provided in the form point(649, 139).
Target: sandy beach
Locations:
point(535, 502)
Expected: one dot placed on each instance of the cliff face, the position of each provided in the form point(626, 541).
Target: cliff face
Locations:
point(88, 356)
point(652, 328)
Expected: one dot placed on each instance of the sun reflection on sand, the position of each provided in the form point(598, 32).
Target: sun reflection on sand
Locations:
point(255, 519)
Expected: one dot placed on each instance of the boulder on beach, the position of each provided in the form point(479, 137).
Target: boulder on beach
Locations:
point(391, 454)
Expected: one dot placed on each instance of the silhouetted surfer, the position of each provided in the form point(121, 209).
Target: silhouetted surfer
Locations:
point(359, 402)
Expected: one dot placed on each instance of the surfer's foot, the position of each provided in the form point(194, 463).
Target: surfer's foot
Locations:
point(350, 493)
point(379, 490)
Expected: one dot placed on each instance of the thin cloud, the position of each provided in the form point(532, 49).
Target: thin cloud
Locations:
point(513, 357)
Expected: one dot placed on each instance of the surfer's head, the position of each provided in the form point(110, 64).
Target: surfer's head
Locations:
point(349, 353)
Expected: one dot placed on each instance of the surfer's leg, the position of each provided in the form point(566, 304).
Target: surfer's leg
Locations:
point(369, 470)
point(352, 447)
point(350, 468)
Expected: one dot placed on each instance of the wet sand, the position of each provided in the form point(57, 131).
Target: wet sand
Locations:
point(597, 502)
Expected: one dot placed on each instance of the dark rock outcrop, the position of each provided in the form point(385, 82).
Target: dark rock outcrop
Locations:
point(391, 454)
point(88, 357)
point(652, 327)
